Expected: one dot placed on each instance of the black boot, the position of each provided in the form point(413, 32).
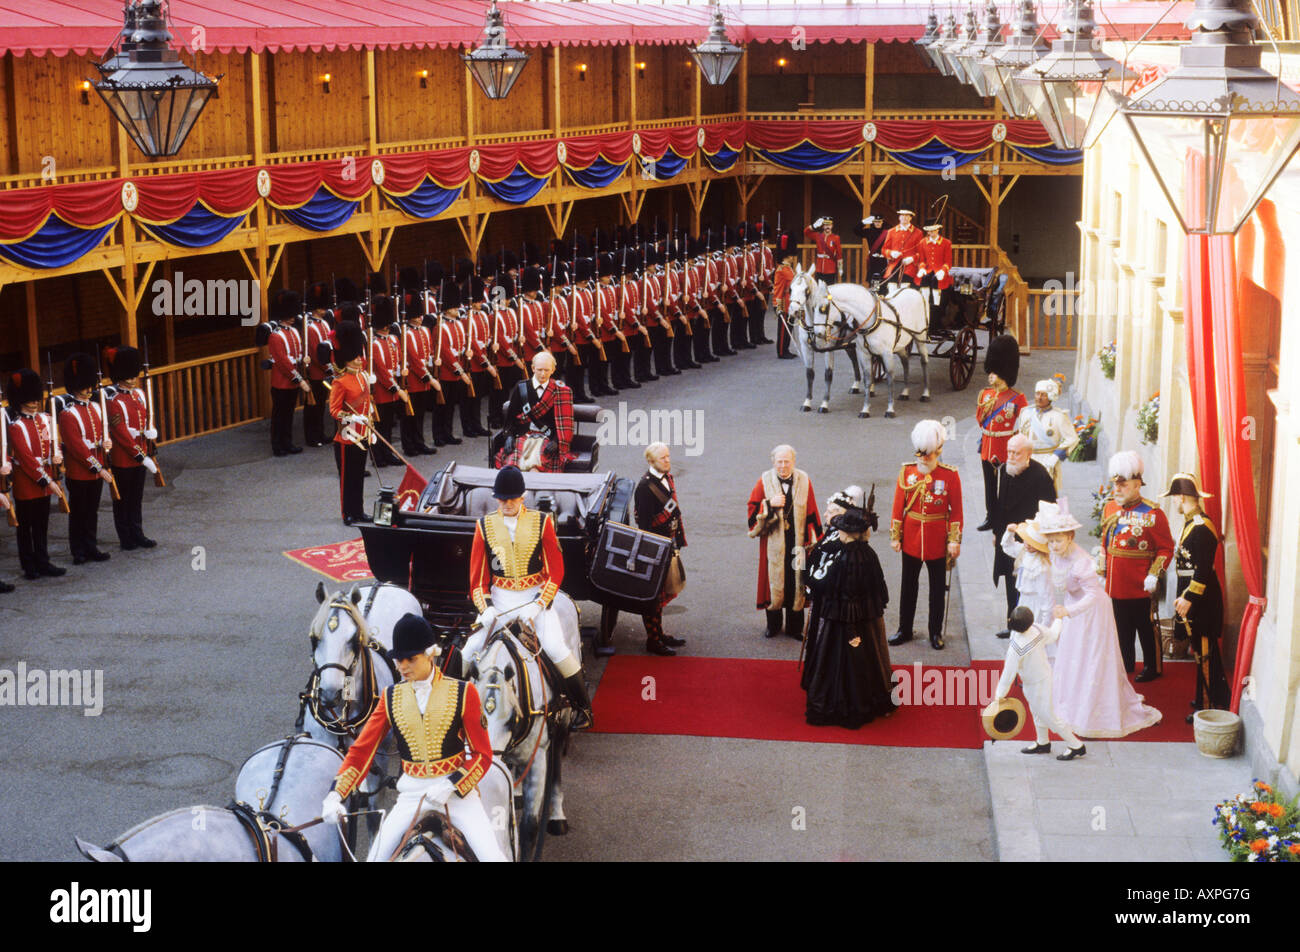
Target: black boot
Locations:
point(575, 689)
point(773, 622)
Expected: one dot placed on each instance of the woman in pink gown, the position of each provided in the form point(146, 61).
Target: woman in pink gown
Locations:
point(1090, 691)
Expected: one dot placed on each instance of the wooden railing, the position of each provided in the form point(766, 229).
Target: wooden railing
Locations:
point(1049, 319)
point(207, 395)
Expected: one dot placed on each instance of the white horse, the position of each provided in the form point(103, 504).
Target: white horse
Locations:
point(882, 326)
point(288, 780)
point(812, 335)
point(195, 834)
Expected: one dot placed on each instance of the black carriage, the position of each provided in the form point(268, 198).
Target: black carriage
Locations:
point(606, 560)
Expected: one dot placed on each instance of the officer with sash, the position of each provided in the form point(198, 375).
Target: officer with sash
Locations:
point(1050, 430)
point(443, 742)
point(996, 409)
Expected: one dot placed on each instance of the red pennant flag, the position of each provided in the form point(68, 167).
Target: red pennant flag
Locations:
point(408, 493)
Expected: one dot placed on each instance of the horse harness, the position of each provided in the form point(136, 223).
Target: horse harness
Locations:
point(873, 320)
point(265, 830)
point(341, 724)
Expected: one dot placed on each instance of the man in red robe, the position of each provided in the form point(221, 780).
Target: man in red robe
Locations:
point(783, 517)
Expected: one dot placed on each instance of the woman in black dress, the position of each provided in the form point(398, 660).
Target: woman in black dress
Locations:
point(847, 674)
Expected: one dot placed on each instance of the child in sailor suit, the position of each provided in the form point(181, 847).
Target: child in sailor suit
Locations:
point(1027, 656)
point(1026, 544)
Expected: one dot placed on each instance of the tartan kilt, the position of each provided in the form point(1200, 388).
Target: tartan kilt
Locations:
point(552, 459)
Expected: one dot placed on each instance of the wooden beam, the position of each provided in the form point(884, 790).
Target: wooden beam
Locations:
point(857, 192)
point(881, 187)
point(112, 283)
point(983, 191)
point(556, 98)
point(257, 132)
point(869, 93)
point(371, 103)
point(1009, 186)
point(33, 341)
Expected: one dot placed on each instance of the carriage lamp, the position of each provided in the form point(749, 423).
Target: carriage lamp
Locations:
point(1218, 129)
point(494, 63)
point(119, 55)
point(1073, 88)
point(153, 94)
point(716, 56)
point(1023, 47)
point(985, 44)
point(384, 505)
point(954, 52)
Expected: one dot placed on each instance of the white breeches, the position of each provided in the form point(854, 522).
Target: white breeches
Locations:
point(467, 814)
point(1039, 695)
point(549, 628)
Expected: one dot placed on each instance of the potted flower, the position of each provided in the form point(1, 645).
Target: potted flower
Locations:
point(1107, 358)
point(1148, 419)
point(1100, 496)
point(1259, 827)
point(1085, 451)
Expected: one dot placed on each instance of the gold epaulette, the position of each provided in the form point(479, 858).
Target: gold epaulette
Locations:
point(902, 473)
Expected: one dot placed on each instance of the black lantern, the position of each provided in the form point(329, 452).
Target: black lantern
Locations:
point(119, 54)
point(948, 35)
point(1067, 86)
point(931, 31)
point(1219, 129)
point(1024, 47)
point(494, 63)
point(153, 94)
point(717, 56)
point(985, 44)
point(953, 52)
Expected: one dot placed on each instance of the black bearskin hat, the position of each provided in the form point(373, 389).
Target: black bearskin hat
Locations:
point(1003, 358)
point(531, 279)
point(123, 363)
point(349, 343)
point(346, 290)
point(286, 305)
point(79, 372)
point(24, 386)
point(318, 296)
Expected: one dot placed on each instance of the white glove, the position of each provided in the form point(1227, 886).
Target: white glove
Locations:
point(355, 418)
point(132, 432)
point(439, 792)
point(908, 260)
point(150, 433)
point(372, 378)
point(487, 619)
point(818, 223)
point(332, 809)
point(150, 465)
point(895, 254)
point(939, 274)
point(529, 613)
point(1150, 583)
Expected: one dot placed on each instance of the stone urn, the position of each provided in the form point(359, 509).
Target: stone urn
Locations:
point(1218, 733)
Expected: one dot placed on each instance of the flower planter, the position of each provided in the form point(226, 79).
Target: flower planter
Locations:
point(1218, 733)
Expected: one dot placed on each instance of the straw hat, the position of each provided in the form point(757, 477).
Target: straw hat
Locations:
point(1031, 534)
point(1003, 719)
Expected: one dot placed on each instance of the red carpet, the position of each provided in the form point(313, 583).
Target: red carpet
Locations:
point(762, 700)
point(341, 561)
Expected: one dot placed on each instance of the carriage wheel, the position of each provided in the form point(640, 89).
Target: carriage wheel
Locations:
point(605, 635)
point(961, 362)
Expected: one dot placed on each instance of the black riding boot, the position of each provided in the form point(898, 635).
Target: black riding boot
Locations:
point(575, 689)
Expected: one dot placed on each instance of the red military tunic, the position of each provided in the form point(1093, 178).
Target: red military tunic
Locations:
point(532, 317)
point(927, 511)
point(349, 396)
point(449, 739)
point(384, 364)
point(996, 411)
point(908, 245)
point(479, 329)
point(285, 346)
point(827, 257)
point(505, 335)
point(419, 351)
point(81, 427)
point(531, 559)
point(582, 312)
point(558, 336)
point(31, 446)
point(1138, 543)
point(317, 333)
point(937, 256)
point(781, 286)
point(451, 349)
point(127, 417)
point(607, 312)
point(629, 304)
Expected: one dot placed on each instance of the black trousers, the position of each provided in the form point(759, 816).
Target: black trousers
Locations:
point(662, 348)
point(621, 365)
point(935, 569)
point(283, 403)
point(33, 533)
point(702, 338)
point(387, 413)
point(739, 326)
point(756, 309)
point(470, 417)
point(83, 519)
point(313, 415)
point(1133, 617)
point(990, 485)
point(578, 374)
point(784, 345)
point(721, 332)
point(350, 461)
point(128, 516)
point(444, 413)
point(411, 425)
point(683, 346)
point(510, 375)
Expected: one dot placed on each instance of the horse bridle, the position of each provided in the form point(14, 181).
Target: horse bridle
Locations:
point(526, 711)
point(341, 724)
point(874, 319)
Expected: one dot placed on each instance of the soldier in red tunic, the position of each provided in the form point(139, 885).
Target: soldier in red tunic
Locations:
point(828, 255)
point(925, 527)
point(128, 425)
point(996, 410)
point(83, 426)
point(450, 364)
point(1139, 547)
point(935, 272)
point(386, 366)
point(34, 443)
point(351, 407)
point(443, 742)
point(902, 249)
point(506, 350)
point(319, 321)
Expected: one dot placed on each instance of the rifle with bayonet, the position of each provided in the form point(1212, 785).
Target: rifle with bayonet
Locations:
point(105, 443)
point(56, 449)
point(571, 347)
point(4, 458)
point(151, 446)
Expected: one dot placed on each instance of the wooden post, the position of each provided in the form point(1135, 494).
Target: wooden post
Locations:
point(634, 167)
point(128, 323)
point(33, 341)
point(257, 133)
point(868, 110)
point(555, 87)
point(995, 202)
point(169, 320)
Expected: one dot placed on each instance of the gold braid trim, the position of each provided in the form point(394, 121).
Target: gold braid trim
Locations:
point(346, 781)
point(1194, 588)
point(1157, 566)
point(515, 554)
point(425, 734)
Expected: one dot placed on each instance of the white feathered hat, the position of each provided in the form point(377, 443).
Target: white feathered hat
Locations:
point(928, 436)
point(1125, 465)
point(1055, 517)
point(1049, 387)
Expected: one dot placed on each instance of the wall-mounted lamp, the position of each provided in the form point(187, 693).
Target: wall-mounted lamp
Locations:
point(582, 72)
point(424, 78)
point(640, 68)
point(85, 92)
point(325, 82)
point(780, 65)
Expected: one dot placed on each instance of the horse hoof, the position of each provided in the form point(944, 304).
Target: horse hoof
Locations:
point(823, 410)
point(925, 398)
point(863, 415)
point(889, 414)
point(903, 396)
point(855, 389)
point(557, 827)
point(805, 408)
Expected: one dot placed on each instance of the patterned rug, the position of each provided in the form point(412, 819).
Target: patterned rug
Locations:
point(341, 561)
